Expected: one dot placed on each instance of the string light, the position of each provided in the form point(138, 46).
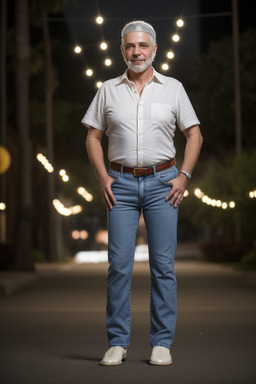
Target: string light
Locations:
point(108, 62)
point(180, 23)
point(213, 202)
point(64, 211)
point(165, 67)
point(45, 162)
point(83, 235)
point(99, 84)
point(103, 46)
point(88, 197)
point(85, 194)
point(252, 194)
point(89, 72)
point(175, 37)
point(77, 49)
point(99, 20)
point(64, 175)
point(2, 206)
point(170, 55)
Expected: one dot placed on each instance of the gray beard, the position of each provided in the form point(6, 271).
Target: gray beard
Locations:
point(140, 67)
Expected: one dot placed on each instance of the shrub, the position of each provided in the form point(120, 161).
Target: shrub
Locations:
point(225, 250)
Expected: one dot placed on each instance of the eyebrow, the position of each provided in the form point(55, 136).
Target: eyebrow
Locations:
point(140, 42)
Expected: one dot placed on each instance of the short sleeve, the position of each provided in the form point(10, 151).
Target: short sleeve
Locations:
point(95, 114)
point(186, 116)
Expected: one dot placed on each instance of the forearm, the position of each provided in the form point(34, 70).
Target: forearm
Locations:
point(191, 154)
point(96, 157)
point(192, 150)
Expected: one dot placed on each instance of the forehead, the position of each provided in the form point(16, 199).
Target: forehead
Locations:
point(136, 37)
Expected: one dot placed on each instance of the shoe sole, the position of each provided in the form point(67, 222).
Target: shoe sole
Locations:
point(158, 363)
point(117, 363)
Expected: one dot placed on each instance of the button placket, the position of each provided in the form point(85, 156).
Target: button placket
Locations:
point(140, 133)
point(140, 126)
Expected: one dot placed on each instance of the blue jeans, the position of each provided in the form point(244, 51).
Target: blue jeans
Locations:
point(133, 195)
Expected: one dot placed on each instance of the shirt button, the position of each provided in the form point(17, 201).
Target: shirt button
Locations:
point(140, 134)
point(139, 118)
point(140, 149)
point(140, 164)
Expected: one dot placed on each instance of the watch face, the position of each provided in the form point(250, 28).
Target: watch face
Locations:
point(188, 176)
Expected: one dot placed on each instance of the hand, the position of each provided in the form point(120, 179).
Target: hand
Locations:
point(178, 188)
point(106, 192)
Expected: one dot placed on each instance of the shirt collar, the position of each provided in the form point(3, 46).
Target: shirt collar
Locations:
point(156, 77)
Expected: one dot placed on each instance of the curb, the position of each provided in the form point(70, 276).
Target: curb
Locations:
point(11, 282)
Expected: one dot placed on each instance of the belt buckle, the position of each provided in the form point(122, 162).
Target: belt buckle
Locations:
point(136, 172)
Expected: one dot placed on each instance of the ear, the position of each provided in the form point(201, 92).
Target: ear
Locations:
point(155, 48)
point(122, 50)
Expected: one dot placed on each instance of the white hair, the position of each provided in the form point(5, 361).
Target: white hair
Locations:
point(139, 26)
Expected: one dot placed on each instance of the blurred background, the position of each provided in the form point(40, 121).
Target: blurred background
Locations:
point(54, 56)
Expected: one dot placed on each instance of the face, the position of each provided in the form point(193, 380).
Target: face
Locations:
point(137, 51)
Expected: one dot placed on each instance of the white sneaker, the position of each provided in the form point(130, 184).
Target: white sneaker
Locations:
point(114, 356)
point(160, 356)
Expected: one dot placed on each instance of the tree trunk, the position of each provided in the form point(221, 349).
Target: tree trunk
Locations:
point(3, 114)
point(51, 216)
point(24, 238)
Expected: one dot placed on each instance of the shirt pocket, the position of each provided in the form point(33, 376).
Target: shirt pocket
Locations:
point(162, 114)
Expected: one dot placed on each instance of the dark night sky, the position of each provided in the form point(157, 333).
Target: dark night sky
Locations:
point(197, 34)
point(163, 18)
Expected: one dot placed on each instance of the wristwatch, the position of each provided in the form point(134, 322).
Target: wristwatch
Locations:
point(188, 175)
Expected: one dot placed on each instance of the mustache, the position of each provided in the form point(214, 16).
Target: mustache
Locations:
point(137, 58)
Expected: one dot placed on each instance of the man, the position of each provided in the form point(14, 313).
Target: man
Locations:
point(138, 111)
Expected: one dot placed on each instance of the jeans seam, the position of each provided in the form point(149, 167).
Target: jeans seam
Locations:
point(129, 304)
point(151, 305)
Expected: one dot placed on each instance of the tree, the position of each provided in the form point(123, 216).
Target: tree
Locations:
point(220, 174)
point(213, 97)
point(23, 243)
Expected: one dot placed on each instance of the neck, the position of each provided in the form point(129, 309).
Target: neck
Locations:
point(140, 77)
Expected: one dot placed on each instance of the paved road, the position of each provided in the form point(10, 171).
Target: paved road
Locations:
point(53, 330)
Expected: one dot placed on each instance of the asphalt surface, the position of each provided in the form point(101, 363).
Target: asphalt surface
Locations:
point(52, 330)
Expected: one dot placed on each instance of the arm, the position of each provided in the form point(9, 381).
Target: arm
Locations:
point(192, 151)
point(95, 154)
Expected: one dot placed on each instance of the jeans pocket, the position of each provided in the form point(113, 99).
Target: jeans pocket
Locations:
point(114, 174)
point(165, 177)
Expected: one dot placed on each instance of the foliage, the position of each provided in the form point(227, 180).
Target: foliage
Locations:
point(37, 256)
point(49, 6)
point(249, 260)
point(224, 250)
point(213, 97)
point(231, 180)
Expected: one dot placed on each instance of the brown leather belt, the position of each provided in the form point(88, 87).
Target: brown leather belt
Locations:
point(137, 172)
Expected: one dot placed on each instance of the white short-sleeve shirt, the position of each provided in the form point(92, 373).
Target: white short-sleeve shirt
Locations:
point(140, 129)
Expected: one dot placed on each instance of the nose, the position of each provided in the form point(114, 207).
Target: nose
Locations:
point(136, 50)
